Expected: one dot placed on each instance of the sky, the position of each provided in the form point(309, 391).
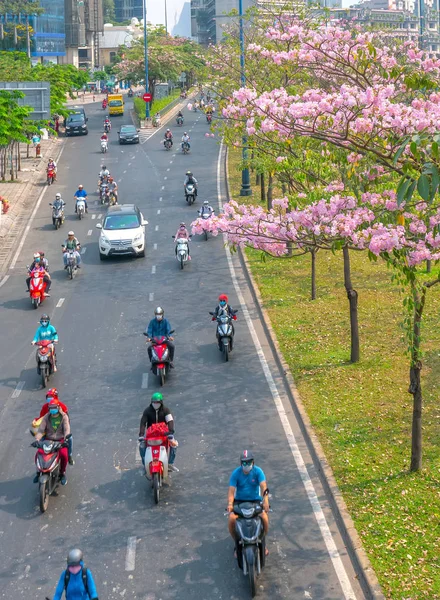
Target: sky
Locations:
point(156, 12)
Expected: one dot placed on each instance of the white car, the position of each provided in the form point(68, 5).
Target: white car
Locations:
point(122, 232)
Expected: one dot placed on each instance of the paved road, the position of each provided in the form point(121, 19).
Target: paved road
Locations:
point(137, 550)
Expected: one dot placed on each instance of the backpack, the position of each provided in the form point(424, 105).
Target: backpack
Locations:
point(84, 571)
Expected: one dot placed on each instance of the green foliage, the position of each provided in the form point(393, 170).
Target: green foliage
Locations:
point(12, 118)
point(156, 105)
point(108, 8)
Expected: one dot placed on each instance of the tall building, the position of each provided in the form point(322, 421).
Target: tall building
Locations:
point(127, 9)
point(84, 28)
point(209, 18)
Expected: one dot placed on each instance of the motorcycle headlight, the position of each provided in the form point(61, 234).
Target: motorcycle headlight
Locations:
point(43, 358)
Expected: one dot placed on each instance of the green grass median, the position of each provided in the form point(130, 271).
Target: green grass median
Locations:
point(156, 106)
point(362, 412)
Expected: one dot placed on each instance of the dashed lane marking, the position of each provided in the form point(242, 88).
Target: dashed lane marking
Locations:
point(90, 232)
point(18, 388)
point(153, 269)
point(151, 296)
point(130, 557)
point(60, 303)
point(93, 217)
point(158, 211)
point(154, 246)
point(83, 250)
point(145, 381)
point(156, 228)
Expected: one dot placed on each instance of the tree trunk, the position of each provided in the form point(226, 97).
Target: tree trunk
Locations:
point(352, 296)
point(428, 266)
point(18, 158)
point(262, 189)
point(313, 253)
point(289, 248)
point(415, 385)
point(270, 191)
point(283, 188)
point(258, 179)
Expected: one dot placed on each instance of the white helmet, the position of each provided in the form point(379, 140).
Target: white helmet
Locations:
point(58, 196)
point(36, 255)
point(71, 233)
point(205, 202)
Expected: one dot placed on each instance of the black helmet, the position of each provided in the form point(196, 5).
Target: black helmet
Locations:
point(44, 319)
point(74, 558)
point(246, 455)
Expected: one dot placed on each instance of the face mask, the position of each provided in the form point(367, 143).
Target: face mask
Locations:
point(44, 323)
point(246, 468)
point(53, 411)
point(222, 303)
point(159, 317)
point(75, 570)
point(156, 405)
point(37, 260)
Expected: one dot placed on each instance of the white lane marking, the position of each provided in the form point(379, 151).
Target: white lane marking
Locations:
point(158, 211)
point(145, 381)
point(171, 162)
point(31, 218)
point(124, 172)
point(153, 269)
point(4, 280)
point(168, 168)
point(163, 187)
point(119, 180)
point(93, 217)
point(137, 456)
point(60, 303)
point(100, 216)
point(89, 232)
point(130, 557)
point(165, 178)
point(154, 246)
point(18, 388)
point(160, 199)
point(341, 573)
point(156, 228)
point(83, 250)
point(151, 296)
point(129, 164)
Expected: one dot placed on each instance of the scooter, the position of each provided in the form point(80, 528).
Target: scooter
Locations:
point(225, 331)
point(130, 93)
point(160, 357)
point(57, 215)
point(157, 442)
point(209, 118)
point(104, 146)
point(251, 543)
point(50, 176)
point(156, 121)
point(47, 462)
point(72, 267)
point(185, 147)
point(168, 144)
point(205, 216)
point(37, 288)
point(107, 127)
point(182, 253)
point(179, 121)
point(190, 193)
point(103, 193)
point(45, 360)
point(80, 208)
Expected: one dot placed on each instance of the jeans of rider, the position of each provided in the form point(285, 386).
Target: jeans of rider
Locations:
point(78, 258)
point(143, 450)
point(170, 348)
point(46, 280)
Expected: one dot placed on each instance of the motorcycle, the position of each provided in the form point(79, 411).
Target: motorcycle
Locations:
point(225, 331)
point(107, 127)
point(179, 121)
point(104, 193)
point(209, 118)
point(156, 457)
point(45, 360)
point(168, 143)
point(205, 216)
point(182, 253)
point(57, 215)
point(71, 263)
point(160, 357)
point(190, 193)
point(50, 176)
point(80, 208)
point(185, 147)
point(37, 288)
point(47, 462)
point(104, 104)
point(104, 146)
point(112, 199)
point(130, 93)
point(156, 121)
point(251, 542)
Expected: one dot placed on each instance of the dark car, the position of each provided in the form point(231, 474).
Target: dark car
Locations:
point(76, 124)
point(128, 134)
point(75, 110)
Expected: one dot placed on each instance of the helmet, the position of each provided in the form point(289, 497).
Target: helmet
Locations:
point(57, 195)
point(184, 133)
point(223, 297)
point(52, 393)
point(41, 254)
point(189, 173)
point(36, 255)
point(205, 202)
point(104, 168)
point(80, 187)
point(168, 130)
point(182, 225)
point(44, 320)
point(246, 455)
point(246, 461)
point(159, 313)
point(50, 159)
point(157, 397)
point(54, 404)
point(74, 558)
point(71, 233)
point(110, 179)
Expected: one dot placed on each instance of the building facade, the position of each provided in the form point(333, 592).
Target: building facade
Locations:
point(125, 10)
point(209, 18)
point(84, 29)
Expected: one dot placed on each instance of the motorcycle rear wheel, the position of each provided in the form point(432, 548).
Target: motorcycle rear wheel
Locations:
point(156, 487)
point(35, 302)
point(44, 496)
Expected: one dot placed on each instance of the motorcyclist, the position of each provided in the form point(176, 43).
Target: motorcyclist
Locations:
point(52, 394)
point(224, 307)
point(157, 412)
point(37, 268)
point(186, 139)
point(55, 426)
point(104, 137)
point(113, 188)
point(168, 136)
point(189, 178)
point(182, 233)
point(247, 483)
point(157, 119)
point(206, 209)
point(104, 173)
point(72, 243)
point(52, 165)
point(76, 582)
point(158, 327)
point(80, 194)
point(107, 124)
point(46, 331)
point(44, 260)
point(59, 202)
point(179, 117)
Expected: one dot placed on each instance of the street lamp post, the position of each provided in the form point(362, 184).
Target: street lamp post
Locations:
point(166, 17)
point(147, 104)
point(245, 181)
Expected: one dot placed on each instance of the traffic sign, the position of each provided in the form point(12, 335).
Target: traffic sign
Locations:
point(147, 97)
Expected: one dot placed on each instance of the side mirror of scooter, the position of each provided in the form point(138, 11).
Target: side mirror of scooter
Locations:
point(173, 236)
point(50, 203)
point(145, 334)
point(211, 313)
point(68, 436)
point(172, 331)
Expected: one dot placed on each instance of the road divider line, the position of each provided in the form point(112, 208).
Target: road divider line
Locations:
point(93, 217)
point(99, 216)
point(83, 250)
point(163, 187)
point(60, 303)
point(332, 550)
point(145, 381)
point(160, 199)
point(171, 162)
point(156, 228)
point(89, 232)
point(153, 269)
point(123, 172)
point(154, 246)
point(18, 388)
point(158, 211)
point(151, 296)
point(4, 280)
point(168, 169)
point(165, 178)
point(130, 557)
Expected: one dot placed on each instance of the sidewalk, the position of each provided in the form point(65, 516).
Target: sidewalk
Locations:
point(23, 195)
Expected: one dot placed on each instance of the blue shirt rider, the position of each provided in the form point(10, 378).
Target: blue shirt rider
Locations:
point(81, 194)
point(76, 581)
point(158, 327)
point(46, 331)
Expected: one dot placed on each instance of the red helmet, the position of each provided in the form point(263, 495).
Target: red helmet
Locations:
point(52, 393)
point(223, 297)
point(54, 403)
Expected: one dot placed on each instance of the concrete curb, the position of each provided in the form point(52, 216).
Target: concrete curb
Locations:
point(364, 570)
